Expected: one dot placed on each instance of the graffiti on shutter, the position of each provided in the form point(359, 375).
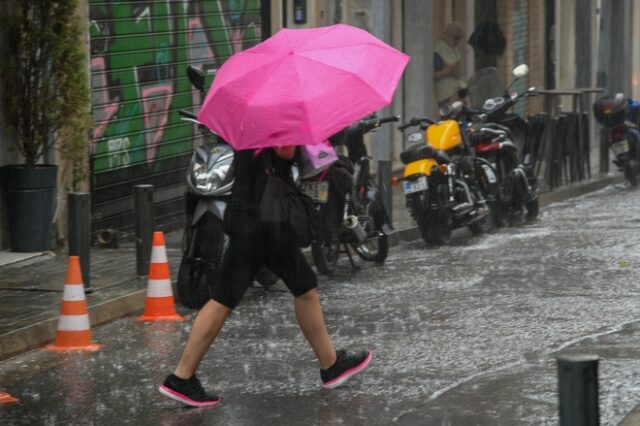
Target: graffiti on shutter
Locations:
point(139, 54)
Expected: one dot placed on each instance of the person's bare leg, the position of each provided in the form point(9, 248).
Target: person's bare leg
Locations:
point(206, 327)
point(311, 321)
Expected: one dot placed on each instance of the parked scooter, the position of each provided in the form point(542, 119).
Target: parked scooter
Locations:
point(209, 182)
point(446, 186)
point(349, 206)
point(613, 113)
point(489, 131)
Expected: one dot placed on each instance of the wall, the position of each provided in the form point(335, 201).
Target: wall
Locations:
point(566, 42)
point(8, 154)
point(139, 54)
point(635, 49)
point(418, 93)
point(536, 59)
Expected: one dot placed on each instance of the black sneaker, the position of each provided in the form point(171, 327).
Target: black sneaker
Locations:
point(187, 391)
point(346, 366)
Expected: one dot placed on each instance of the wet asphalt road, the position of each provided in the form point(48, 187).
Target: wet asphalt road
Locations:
point(462, 335)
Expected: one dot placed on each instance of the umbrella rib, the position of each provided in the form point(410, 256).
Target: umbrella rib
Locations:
point(304, 104)
point(356, 75)
point(249, 70)
point(263, 83)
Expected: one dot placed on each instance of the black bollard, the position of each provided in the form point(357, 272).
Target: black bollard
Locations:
point(604, 152)
point(578, 390)
point(79, 224)
point(145, 219)
point(384, 182)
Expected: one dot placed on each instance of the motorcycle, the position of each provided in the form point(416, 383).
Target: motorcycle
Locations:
point(614, 113)
point(446, 186)
point(349, 208)
point(209, 183)
point(489, 130)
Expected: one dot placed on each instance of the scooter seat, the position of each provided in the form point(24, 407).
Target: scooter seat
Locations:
point(424, 152)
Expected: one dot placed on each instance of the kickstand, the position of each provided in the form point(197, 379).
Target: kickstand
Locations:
point(353, 264)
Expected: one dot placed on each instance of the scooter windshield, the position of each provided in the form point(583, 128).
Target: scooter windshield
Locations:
point(485, 84)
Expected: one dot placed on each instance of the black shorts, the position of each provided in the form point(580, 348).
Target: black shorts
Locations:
point(254, 246)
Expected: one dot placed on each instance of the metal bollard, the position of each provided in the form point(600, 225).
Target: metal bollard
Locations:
point(145, 219)
point(384, 182)
point(578, 390)
point(79, 224)
point(604, 152)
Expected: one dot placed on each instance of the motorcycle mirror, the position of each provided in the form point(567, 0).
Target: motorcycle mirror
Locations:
point(521, 70)
point(457, 106)
point(445, 110)
point(196, 77)
point(518, 72)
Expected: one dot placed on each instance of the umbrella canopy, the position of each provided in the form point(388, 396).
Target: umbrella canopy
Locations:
point(300, 87)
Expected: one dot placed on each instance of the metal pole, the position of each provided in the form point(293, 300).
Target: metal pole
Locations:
point(578, 390)
point(79, 225)
point(384, 183)
point(145, 219)
point(604, 152)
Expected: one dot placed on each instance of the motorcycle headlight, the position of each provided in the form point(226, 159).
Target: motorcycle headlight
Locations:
point(415, 138)
point(208, 181)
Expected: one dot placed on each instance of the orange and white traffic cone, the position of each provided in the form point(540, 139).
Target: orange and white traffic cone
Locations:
point(6, 398)
point(159, 304)
point(74, 328)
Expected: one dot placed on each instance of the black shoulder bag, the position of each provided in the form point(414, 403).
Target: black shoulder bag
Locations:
point(284, 204)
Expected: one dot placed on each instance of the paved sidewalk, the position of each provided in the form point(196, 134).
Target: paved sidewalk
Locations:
point(31, 286)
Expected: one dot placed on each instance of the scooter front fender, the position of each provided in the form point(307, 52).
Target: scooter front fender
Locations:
point(213, 205)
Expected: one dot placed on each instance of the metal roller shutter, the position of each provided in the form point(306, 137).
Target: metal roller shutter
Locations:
point(139, 54)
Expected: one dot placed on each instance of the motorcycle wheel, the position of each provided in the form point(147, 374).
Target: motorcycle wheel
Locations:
point(376, 247)
point(498, 214)
point(486, 224)
point(631, 172)
point(482, 226)
point(533, 209)
point(204, 245)
point(325, 249)
point(435, 225)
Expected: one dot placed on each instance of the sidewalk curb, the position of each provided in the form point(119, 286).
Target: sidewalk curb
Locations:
point(37, 335)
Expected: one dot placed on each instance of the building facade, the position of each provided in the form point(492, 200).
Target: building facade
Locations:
point(139, 51)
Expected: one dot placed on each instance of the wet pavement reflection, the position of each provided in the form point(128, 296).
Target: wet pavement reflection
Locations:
point(461, 335)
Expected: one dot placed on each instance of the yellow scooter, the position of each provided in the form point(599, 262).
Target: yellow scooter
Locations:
point(445, 185)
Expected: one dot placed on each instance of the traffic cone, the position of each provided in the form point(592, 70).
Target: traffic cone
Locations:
point(159, 303)
point(6, 398)
point(74, 329)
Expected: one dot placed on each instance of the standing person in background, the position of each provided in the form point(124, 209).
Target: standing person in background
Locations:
point(446, 64)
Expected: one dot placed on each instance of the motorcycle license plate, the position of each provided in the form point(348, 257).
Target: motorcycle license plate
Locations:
point(621, 147)
point(317, 191)
point(411, 186)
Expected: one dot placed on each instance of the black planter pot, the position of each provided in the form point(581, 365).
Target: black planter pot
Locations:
point(30, 192)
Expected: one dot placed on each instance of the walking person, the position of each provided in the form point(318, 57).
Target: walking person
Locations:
point(254, 243)
point(447, 64)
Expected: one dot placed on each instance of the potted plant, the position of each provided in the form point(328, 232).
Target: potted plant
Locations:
point(45, 99)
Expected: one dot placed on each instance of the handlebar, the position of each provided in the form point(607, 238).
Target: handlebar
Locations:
point(416, 121)
point(368, 124)
point(188, 114)
point(389, 119)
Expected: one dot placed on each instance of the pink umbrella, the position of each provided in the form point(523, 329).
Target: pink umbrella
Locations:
point(300, 87)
